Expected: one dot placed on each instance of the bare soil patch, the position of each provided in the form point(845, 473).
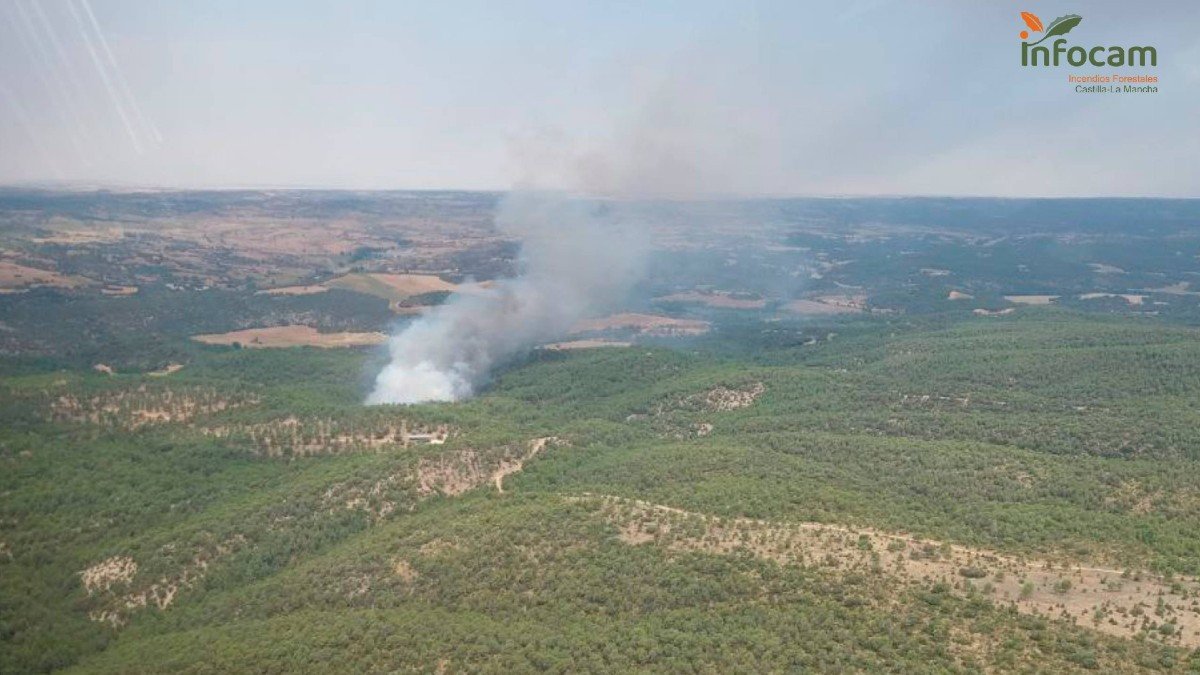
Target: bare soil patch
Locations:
point(295, 437)
point(1131, 298)
point(291, 336)
point(1118, 602)
point(586, 344)
point(377, 499)
point(114, 607)
point(168, 369)
point(510, 466)
point(14, 276)
point(404, 569)
point(71, 237)
point(131, 409)
point(1181, 288)
point(294, 290)
point(721, 399)
point(1031, 299)
point(715, 400)
point(449, 474)
point(415, 284)
point(959, 295)
point(104, 574)
point(396, 286)
point(407, 310)
point(824, 306)
point(648, 324)
point(720, 299)
point(119, 291)
point(455, 473)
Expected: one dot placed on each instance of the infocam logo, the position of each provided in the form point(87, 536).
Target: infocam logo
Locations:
point(1032, 54)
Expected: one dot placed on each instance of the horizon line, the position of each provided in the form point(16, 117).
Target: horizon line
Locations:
point(130, 188)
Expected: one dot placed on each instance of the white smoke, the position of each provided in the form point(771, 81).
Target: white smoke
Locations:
point(578, 257)
point(684, 137)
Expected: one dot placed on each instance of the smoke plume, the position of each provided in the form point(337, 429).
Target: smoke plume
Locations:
point(681, 139)
point(578, 257)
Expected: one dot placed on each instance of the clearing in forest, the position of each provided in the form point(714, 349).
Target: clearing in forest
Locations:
point(585, 344)
point(648, 324)
point(294, 290)
point(827, 305)
point(1131, 298)
point(720, 299)
point(290, 336)
point(15, 277)
point(1031, 299)
point(395, 287)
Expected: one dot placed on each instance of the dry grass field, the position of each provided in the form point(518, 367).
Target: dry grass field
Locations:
point(290, 336)
point(647, 324)
point(17, 277)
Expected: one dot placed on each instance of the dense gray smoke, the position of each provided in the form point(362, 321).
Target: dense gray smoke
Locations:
point(577, 257)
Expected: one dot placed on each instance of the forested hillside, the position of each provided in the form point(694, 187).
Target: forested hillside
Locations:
point(1014, 492)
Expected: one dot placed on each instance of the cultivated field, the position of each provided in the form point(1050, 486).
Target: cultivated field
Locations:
point(290, 336)
point(648, 324)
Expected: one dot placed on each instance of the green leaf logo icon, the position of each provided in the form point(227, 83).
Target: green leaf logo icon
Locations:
point(1060, 26)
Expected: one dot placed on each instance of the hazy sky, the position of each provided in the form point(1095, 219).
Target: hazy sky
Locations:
point(861, 97)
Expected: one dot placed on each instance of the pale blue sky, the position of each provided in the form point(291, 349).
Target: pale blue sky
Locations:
point(793, 98)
